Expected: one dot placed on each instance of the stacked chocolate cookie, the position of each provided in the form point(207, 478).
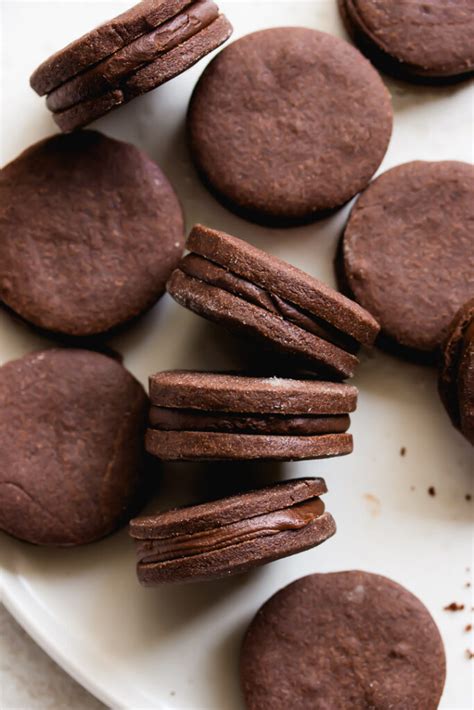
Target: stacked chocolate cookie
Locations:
point(127, 56)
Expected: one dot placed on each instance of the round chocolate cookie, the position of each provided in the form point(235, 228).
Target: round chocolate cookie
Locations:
point(343, 640)
point(90, 231)
point(407, 253)
point(231, 535)
point(287, 124)
point(102, 41)
point(71, 445)
point(456, 374)
point(415, 40)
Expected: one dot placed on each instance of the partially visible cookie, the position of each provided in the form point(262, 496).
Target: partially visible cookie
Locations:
point(343, 640)
point(90, 230)
point(415, 40)
point(71, 444)
point(231, 535)
point(231, 282)
point(287, 124)
point(407, 253)
point(456, 374)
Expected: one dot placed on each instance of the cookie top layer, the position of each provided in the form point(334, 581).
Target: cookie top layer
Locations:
point(284, 280)
point(71, 471)
point(288, 123)
point(226, 510)
point(425, 39)
point(377, 646)
point(102, 41)
point(91, 230)
point(456, 375)
point(221, 392)
point(408, 250)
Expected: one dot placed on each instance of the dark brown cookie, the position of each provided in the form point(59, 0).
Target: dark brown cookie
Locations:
point(151, 75)
point(456, 374)
point(414, 40)
point(90, 231)
point(408, 251)
point(231, 282)
point(103, 41)
point(108, 73)
point(287, 124)
point(343, 640)
point(231, 535)
point(71, 444)
point(220, 416)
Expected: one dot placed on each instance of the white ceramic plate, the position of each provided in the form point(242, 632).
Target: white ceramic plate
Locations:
point(177, 647)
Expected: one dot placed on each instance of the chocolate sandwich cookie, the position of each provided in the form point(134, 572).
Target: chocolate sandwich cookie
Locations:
point(231, 535)
point(415, 40)
point(72, 424)
point(407, 253)
point(456, 374)
point(287, 124)
point(343, 640)
point(90, 230)
point(220, 416)
point(231, 282)
point(126, 57)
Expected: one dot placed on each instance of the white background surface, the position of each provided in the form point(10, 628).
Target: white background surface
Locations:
point(177, 647)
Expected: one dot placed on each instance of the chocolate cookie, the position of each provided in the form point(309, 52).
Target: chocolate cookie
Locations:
point(150, 44)
point(209, 416)
point(231, 535)
point(407, 253)
point(456, 374)
point(288, 124)
point(343, 640)
point(90, 231)
point(71, 444)
point(414, 40)
point(231, 282)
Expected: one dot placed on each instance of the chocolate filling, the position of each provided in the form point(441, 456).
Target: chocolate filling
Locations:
point(207, 271)
point(171, 419)
point(170, 548)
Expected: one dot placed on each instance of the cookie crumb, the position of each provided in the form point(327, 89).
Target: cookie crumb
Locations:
point(454, 606)
point(469, 654)
point(412, 488)
point(468, 627)
point(468, 584)
point(432, 491)
point(403, 451)
point(468, 496)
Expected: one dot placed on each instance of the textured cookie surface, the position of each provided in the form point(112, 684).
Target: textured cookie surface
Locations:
point(415, 38)
point(102, 41)
point(343, 640)
point(72, 471)
point(288, 123)
point(90, 231)
point(408, 250)
point(456, 374)
point(231, 535)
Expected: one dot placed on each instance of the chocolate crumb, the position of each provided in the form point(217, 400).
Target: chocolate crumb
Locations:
point(454, 606)
point(403, 451)
point(468, 627)
point(468, 584)
point(432, 491)
point(468, 496)
point(469, 654)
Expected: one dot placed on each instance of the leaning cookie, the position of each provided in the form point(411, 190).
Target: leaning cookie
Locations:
point(407, 252)
point(456, 374)
point(71, 445)
point(218, 416)
point(287, 124)
point(416, 40)
point(343, 640)
point(126, 57)
point(231, 282)
point(231, 535)
point(90, 230)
